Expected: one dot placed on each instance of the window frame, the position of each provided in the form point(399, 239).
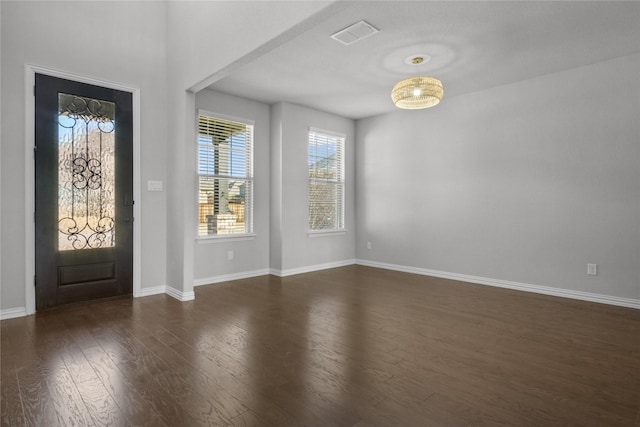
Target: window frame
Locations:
point(249, 233)
point(341, 182)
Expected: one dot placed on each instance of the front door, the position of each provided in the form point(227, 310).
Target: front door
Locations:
point(84, 192)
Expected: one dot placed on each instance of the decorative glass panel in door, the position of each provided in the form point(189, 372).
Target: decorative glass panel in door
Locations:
point(86, 198)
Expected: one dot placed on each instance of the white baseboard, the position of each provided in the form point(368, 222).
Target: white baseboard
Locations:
point(155, 290)
point(310, 268)
point(10, 313)
point(179, 295)
point(229, 277)
point(546, 290)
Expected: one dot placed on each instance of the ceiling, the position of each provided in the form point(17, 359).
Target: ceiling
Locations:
point(472, 46)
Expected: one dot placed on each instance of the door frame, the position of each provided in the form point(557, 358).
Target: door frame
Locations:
point(30, 77)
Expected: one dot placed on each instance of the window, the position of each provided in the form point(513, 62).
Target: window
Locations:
point(326, 181)
point(225, 175)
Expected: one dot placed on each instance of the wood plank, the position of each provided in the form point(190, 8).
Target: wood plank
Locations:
point(37, 404)
point(126, 393)
point(11, 412)
point(50, 397)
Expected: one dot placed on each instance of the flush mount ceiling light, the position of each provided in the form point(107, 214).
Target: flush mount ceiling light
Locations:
point(417, 92)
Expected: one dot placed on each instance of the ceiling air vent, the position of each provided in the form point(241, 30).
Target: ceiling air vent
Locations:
point(356, 32)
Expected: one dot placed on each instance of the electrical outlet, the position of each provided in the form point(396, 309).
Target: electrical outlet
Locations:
point(592, 269)
point(369, 245)
point(230, 255)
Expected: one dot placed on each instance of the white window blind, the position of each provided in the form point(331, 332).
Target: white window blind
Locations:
point(225, 175)
point(326, 181)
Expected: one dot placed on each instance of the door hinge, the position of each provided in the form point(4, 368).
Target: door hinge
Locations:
point(35, 281)
point(35, 150)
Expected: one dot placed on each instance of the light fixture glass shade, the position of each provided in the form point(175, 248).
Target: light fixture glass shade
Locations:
point(417, 92)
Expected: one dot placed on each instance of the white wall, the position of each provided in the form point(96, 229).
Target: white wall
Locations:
point(294, 249)
point(207, 36)
point(250, 255)
point(164, 48)
point(121, 42)
point(275, 212)
point(281, 244)
point(527, 182)
point(203, 40)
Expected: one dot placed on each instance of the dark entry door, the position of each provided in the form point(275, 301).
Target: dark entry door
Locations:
point(84, 192)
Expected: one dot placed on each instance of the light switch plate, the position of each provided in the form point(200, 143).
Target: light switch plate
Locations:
point(154, 185)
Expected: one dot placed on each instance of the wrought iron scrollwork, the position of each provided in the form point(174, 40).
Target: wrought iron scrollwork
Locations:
point(87, 236)
point(86, 151)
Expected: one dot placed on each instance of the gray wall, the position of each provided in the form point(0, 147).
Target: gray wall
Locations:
point(210, 259)
point(200, 47)
point(275, 212)
point(527, 182)
point(281, 244)
point(122, 42)
point(163, 48)
point(293, 249)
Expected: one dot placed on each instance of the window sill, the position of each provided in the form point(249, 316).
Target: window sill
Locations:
point(224, 238)
point(321, 233)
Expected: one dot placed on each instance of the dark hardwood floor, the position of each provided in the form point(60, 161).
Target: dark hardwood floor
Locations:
point(352, 346)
